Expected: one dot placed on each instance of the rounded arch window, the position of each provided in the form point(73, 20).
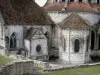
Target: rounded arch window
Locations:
point(77, 45)
point(80, 0)
point(38, 48)
point(92, 39)
point(71, 0)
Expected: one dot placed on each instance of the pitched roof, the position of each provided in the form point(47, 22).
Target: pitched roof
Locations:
point(23, 12)
point(71, 7)
point(32, 31)
point(74, 21)
point(96, 6)
point(57, 6)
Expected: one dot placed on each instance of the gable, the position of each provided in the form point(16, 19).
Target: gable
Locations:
point(35, 33)
point(74, 21)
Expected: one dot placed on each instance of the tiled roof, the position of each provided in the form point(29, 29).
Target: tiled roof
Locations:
point(54, 7)
point(71, 7)
point(74, 21)
point(23, 12)
point(96, 6)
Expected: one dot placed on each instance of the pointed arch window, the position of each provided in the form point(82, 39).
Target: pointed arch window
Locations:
point(89, 1)
point(80, 0)
point(13, 40)
point(92, 40)
point(71, 0)
point(98, 1)
point(63, 0)
point(76, 45)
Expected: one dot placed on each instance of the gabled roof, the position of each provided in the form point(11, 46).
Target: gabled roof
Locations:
point(71, 7)
point(57, 6)
point(74, 21)
point(32, 32)
point(23, 12)
point(79, 7)
point(96, 6)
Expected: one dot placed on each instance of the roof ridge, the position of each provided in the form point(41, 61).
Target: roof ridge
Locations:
point(75, 21)
point(72, 14)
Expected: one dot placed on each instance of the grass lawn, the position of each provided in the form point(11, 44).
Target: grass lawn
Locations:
point(94, 70)
point(5, 60)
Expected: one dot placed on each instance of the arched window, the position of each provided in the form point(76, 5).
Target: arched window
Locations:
point(98, 2)
point(38, 48)
point(13, 40)
point(71, 0)
point(76, 45)
point(92, 40)
point(89, 1)
point(7, 41)
point(99, 43)
point(63, 0)
point(80, 0)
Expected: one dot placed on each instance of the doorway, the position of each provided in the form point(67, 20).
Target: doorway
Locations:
point(63, 0)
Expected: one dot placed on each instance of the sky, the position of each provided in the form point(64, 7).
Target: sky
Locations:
point(41, 3)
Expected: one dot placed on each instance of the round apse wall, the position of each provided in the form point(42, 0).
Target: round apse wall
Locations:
point(38, 48)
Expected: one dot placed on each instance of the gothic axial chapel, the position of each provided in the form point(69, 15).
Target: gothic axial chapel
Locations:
point(67, 29)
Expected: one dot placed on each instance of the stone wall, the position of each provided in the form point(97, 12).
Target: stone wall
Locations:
point(90, 18)
point(2, 51)
point(64, 67)
point(95, 53)
point(22, 67)
point(69, 55)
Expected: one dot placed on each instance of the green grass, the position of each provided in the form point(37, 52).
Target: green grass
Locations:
point(94, 70)
point(5, 60)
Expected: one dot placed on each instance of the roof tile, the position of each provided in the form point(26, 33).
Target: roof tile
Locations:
point(71, 7)
point(23, 12)
point(74, 21)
